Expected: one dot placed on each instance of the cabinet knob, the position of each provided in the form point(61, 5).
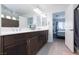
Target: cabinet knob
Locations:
point(71, 29)
point(29, 41)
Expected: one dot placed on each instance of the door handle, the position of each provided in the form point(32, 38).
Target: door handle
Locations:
point(29, 41)
point(71, 29)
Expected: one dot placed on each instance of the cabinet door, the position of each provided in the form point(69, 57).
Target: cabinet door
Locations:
point(1, 45)
point(9, 40)
point(20, 38)
point(43, 37)
point(14, 44)
point(10, 51)
point(21, 49)
point(32, 45)
point(40, 39)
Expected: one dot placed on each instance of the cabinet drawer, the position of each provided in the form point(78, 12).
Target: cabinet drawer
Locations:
point(31, 34)
point(15, 50)
point(21, 49)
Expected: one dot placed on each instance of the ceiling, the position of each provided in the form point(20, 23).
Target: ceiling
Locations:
point(27, 9)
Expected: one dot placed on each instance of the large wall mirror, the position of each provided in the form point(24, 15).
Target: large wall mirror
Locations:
point(8, 17)
point(11, 16)
point(36, 22)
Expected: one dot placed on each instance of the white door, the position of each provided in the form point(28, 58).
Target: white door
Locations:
point(69, 26)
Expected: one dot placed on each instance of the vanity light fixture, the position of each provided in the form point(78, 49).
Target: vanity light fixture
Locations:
point(2, 16)
point(8, 17)
point(38, 11)
point(13, 18)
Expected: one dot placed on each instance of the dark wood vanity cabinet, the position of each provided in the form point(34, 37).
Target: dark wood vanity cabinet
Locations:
point(36, 42)
point(23, 43)
point(14, 44)
point(43, 37)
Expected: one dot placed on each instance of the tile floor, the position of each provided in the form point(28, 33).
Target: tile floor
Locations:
point(56, 48)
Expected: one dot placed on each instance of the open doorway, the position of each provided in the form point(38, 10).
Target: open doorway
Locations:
point(59, 26)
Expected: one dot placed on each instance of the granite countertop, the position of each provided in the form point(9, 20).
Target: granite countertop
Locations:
point(10, 32)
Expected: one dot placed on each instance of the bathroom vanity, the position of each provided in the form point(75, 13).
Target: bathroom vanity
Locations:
point(21, 35)
point(26, 43)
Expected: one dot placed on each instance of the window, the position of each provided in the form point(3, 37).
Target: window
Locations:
point(61, 25)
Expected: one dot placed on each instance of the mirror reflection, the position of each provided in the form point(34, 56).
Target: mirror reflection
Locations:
point(31, 18)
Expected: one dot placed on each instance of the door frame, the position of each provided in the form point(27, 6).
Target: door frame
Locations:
point(74, 25)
